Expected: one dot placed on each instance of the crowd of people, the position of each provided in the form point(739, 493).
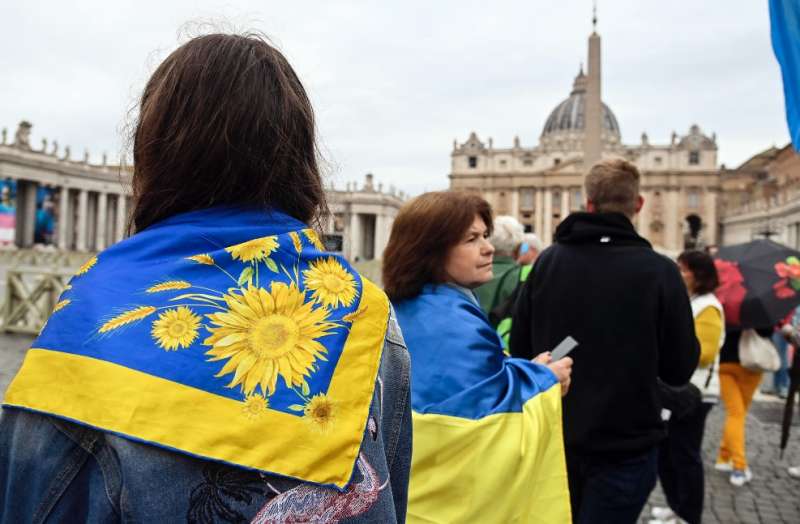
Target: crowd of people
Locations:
point(220, 366)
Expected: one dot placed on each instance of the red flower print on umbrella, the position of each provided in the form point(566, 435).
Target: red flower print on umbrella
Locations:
point(730, 292)
point(759, 282)
point(789, 283)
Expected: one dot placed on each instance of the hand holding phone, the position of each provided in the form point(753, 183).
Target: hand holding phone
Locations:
point(563, 348)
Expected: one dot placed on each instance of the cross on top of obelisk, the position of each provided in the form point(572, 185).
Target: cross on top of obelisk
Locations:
point(594, 16)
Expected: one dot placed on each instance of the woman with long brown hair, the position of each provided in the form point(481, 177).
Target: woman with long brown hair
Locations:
point(487, 429)
point(217, 366)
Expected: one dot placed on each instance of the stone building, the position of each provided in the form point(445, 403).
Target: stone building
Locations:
point(90, 202)
point(762, 198)
point(85, 206)
point(361, 219)
point(542, 184)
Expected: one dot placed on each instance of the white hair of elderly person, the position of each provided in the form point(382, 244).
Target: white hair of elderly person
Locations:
point(507, 235)
point(531, 248)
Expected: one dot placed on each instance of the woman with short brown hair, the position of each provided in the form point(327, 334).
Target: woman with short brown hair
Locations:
point(487, 429)
point(422, 235)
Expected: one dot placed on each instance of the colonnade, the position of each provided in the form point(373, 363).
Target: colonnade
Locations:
point(85, 220)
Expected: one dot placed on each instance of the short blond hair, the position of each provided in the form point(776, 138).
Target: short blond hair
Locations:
point(613, 186)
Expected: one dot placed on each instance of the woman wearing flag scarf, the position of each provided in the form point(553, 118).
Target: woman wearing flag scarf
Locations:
point(488, 441)
point(217, 366)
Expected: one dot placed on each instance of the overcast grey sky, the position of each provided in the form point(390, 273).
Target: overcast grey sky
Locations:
point(393, 83)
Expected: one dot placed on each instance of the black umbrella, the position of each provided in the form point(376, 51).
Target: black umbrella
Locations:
point(794, 387)
point(759, 282)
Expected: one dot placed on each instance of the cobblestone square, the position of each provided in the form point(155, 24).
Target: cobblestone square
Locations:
point(772, 495)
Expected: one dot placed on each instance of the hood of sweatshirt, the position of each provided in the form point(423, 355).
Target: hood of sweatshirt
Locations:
point(598, 228)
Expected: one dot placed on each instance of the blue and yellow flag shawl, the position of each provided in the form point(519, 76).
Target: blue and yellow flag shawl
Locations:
point(227, 334)
point(488, 438)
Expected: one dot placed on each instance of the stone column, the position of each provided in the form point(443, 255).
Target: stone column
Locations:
point(672, 222)
point(547, 224)
point(102, 221)
point(710, 216)
point(122, 218)
point(643, 218)
point(381, 234)
point(63, 219)
point(25, 213)
point(538, 224)
point(514, 211)
point(564, 202)
point(83, 210)
point(91, 221)
point(355, 236)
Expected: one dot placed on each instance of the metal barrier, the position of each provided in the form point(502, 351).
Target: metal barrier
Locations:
point(31, 294)
point(34, 280)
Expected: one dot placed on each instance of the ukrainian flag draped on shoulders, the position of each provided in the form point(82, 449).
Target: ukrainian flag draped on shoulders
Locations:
point(228, 334)
point(488, 443)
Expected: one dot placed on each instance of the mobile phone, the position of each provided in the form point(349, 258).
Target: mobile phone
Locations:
point(563, 348)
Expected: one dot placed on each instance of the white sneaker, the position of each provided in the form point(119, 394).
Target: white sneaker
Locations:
point(794, 472)
point(725, 467)
point(661, 513)
point(739, 478)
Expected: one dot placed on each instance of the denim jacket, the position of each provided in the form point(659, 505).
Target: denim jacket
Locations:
point(53, 470)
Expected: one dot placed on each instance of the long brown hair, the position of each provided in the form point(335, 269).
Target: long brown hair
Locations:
point(424, 231)
point(225, 120)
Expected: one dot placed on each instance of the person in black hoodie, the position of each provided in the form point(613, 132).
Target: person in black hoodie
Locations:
point(628, 308)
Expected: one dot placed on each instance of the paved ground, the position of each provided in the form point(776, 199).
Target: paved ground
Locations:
point(772, 497)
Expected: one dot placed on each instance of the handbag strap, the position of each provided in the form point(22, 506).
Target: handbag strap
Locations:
point(710, 374)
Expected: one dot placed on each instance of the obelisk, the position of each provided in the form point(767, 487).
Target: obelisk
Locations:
point(592, 142)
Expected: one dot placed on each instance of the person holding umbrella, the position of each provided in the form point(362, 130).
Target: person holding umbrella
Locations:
point(759, 284)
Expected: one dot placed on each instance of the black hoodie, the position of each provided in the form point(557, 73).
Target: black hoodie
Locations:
point(628, 308)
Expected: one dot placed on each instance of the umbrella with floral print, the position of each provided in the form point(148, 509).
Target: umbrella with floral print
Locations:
point(759, 282)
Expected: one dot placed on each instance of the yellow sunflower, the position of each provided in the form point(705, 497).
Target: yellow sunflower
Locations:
point(320, 411)
point(331, 283)
point(255, 405)
point(89, 264)
point(254, 250)
point(264, 334)
point(176, 328)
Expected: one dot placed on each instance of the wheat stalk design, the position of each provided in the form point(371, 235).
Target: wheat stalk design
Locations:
point(169, 286)
point(87, 266)
point(61, 305)
point(204, 259)
point(350, 317)
point(127, 317)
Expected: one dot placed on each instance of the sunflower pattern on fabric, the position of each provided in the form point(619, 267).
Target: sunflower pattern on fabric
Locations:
point(332, 284)
point(270, 323)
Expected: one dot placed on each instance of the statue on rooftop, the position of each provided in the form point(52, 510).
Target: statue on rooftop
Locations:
point(22, 138)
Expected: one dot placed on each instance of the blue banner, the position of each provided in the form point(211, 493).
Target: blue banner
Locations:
point(785, 20)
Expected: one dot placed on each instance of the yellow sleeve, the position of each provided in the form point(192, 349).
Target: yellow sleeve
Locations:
point(708, 327)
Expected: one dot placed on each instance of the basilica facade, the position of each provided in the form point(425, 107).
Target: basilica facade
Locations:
point(542, 184)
